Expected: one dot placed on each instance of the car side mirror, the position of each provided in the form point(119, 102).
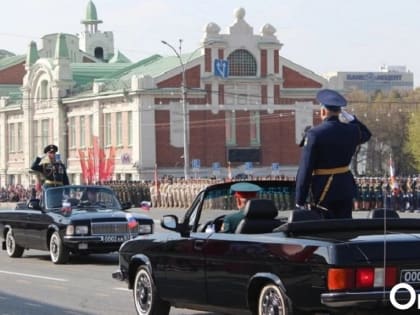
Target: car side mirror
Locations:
point(170, 222)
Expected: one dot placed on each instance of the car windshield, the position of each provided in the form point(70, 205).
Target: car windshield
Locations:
point(81, 197)
point(219, 200)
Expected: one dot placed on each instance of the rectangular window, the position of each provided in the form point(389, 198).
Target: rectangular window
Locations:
point(72, 132)
point(107, 129)
point(255, 128)
point(20, 137)
point(90, 130)
point(45, 132)
point(230, 128)
point(82, 132)
point(36, 142)
point(12, 138)
point(119, 129)
point(130, 128)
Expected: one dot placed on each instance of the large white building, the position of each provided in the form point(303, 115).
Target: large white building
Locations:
point(77, 87)
point(389, 78)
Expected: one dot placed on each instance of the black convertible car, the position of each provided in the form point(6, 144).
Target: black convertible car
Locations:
point(299, 264)
point(71, 219)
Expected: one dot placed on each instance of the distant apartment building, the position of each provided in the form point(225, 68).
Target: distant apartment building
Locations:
point(389, 78)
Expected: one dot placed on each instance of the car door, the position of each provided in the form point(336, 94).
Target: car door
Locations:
point(37, 223)
point(229, 261)
point(17, 220)
point(184, 267)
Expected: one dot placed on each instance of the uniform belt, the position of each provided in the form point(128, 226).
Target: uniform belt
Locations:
point(331, 171)
point(53, 182)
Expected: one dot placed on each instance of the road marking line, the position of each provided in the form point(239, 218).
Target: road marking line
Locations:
point(32, 276)
point(122, 289)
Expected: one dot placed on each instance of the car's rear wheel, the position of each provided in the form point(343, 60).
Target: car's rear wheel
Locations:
point(13, 249)
point(273, 301)
point(146, 299)
point(58, 252)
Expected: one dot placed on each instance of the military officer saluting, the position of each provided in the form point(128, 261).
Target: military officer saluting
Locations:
point(327, 152)
point(52, 171)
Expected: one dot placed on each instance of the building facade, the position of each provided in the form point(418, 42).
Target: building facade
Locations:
point(390, 78)
point(250, 115)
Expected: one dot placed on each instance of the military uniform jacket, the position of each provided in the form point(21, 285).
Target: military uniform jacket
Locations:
point(329, 145)
point(231, 221)
point(52, 171)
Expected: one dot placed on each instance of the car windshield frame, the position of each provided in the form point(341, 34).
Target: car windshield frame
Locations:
point(76, 197)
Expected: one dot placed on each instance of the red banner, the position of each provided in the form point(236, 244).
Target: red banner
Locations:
point(84, 167)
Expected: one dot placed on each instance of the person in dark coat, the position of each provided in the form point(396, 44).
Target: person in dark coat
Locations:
point(52, 171)
point(242, 193)
point(328, 148)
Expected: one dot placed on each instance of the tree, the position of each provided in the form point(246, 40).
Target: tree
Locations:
point(413, 143)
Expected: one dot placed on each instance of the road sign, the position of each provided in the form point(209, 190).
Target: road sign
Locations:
point(216, 168)
point(221, 68)
point(195, 164)
point(248, 168)
point(275, 169)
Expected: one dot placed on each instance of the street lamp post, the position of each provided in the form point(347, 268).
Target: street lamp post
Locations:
point(184, 105)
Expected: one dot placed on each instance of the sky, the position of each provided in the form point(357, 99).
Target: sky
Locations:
point(320, 35)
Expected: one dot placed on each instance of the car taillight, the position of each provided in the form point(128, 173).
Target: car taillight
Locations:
point(361, 278)
point(365, 277)
point(340, 278)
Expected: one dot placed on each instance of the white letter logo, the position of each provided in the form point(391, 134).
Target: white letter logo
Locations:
point(410, 290)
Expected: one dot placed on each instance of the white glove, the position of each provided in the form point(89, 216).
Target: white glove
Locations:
point(345, 117)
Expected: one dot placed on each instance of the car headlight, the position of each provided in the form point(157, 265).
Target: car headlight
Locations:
point(145, 229)
point(82, 229)
point(70, 230)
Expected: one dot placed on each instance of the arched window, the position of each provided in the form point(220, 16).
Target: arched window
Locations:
point(99, 53)
point(242, 64)
point(43, 92)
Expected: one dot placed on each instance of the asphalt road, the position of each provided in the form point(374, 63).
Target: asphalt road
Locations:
point(33, 285)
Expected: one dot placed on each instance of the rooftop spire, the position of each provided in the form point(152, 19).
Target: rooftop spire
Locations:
point(61, 50)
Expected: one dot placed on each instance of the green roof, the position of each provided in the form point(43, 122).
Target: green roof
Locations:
point(11, 61)
point(84, 73)
point(6, 89)
point(91, 15)
point(154, 66)
point(119, 57)
point(61, 50)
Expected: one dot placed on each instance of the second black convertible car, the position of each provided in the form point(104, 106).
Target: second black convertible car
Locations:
point(300, 264)
point(71, 219)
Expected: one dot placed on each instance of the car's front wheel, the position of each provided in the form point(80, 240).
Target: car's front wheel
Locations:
point(13, 249)
point(273, 300)
point(58, 252)
point(146, 299)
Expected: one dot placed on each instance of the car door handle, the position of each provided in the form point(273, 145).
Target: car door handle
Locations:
point(198, 244)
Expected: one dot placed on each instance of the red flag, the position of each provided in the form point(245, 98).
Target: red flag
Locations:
point(91, 166)
point(96, 158)
point(83, 166)
point(110, 164)
point(102, 165)
point(131, 221)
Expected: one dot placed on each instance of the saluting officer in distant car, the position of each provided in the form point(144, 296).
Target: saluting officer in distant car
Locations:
point(52, 170)
point(327, 152)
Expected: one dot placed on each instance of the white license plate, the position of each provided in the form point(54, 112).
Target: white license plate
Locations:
point(115, 238)
point(410, 275)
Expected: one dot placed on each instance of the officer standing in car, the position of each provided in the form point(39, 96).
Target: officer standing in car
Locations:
point(52, 170)
point(327, 152)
